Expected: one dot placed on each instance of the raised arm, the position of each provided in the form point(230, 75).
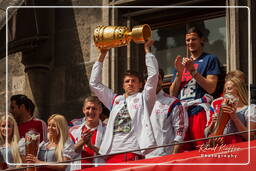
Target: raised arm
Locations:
point(149, 91)
point(101, 91)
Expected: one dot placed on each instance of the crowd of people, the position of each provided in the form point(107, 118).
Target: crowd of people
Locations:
point(142, 118)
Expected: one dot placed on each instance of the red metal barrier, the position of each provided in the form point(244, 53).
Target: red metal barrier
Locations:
point(221, 158)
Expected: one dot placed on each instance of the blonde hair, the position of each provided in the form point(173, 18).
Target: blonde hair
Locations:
point(15, 137)
point(62, 128)
point(240, 86)
point(235, 73)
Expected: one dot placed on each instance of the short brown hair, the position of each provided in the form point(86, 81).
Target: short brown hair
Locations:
point(93, 99)
point(132, 73)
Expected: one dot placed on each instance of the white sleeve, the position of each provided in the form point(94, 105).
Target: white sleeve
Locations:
point(69, 150)
point(105, 94)
point(251, 113)
point(179, 122)
point(149, 92)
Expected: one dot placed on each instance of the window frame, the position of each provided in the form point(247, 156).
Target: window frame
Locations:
point(135, 55)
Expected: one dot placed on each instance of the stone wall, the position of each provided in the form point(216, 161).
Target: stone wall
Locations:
point(16, 77)
point(55, 74)
point(74, 56)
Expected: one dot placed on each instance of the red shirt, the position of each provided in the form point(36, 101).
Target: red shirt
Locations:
point(34, 124)
point(87, 152)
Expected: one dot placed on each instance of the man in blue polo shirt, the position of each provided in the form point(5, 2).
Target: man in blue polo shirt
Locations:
point(196, 77)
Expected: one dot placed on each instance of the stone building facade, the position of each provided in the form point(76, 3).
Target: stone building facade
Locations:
point(51, 48)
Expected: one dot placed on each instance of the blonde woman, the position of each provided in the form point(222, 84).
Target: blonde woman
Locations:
point(59, 147)
point(11, 145)
point(241, 115)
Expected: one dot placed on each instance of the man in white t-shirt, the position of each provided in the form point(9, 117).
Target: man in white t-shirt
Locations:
point(129, 126)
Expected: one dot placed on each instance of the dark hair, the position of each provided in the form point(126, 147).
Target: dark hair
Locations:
point(132, 73)
point(195, 30)
point(22, 99)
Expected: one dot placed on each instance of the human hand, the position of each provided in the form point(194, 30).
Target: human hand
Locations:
point(86, 137)
point(103, 53)
point(30, 158)
point(230, 110)
point(189, 64)
point(148, 45)
point(178, 64)
point(230, 100)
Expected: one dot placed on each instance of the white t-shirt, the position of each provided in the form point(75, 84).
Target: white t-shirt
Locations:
point(124, 137)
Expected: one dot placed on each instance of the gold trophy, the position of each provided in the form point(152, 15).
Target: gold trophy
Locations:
point(106, 37)
point(32, 140)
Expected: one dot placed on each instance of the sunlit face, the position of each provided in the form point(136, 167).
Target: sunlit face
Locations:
point(131, 85)
point(15, 110)
point(3, 128)
point(92, 111)
point(52, 128)
point(230, 88)
point(194, 42)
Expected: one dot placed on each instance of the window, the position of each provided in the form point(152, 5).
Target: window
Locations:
point(168, 27)
point(170, 42)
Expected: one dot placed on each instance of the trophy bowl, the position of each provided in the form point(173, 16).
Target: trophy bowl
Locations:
point(141, 33)
point(106, 37)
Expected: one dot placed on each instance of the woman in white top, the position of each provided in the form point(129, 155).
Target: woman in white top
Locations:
point(11, 145)
point(59, 147)
point(241, 115)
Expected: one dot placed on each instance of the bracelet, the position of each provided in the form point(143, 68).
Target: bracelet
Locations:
point(193, 73)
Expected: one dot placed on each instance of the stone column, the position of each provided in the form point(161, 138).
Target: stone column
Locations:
point(37, 71)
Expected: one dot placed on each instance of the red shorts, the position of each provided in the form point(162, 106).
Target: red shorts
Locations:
point(197, 124)
point(120, 158)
